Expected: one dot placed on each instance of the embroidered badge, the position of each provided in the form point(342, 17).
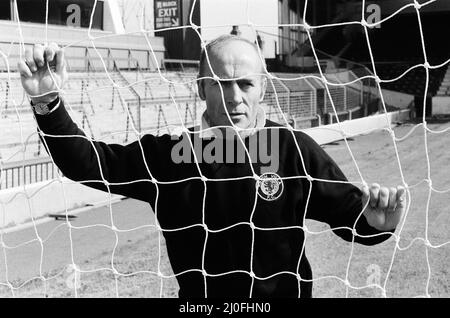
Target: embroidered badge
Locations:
point(270, 186)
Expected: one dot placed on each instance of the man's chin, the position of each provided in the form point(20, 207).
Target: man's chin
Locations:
point(240, 122)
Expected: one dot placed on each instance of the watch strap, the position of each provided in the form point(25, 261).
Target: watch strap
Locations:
point(53, 105)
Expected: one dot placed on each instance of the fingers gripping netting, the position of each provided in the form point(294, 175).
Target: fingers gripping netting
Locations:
point(117, 93)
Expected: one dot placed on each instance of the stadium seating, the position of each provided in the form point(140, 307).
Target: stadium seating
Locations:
point(413, 82)
point(114, 106)
point(395, 47)
point(444, 89)
point(104, 105)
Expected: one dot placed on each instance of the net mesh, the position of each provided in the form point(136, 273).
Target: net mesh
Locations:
point(110, 91)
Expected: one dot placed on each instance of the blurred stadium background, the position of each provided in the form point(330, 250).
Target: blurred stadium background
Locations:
point(121, 78)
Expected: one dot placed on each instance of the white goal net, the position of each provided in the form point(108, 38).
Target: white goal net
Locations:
point(99, 251)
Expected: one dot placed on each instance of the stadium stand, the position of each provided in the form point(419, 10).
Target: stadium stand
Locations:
point(394, 53)
point(413, 82)
point(147, 102)
point(121, 95)
point(444, 88)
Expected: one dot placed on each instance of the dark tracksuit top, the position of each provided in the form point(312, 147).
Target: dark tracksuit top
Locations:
point(228, 246)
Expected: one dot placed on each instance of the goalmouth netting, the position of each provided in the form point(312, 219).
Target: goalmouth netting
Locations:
point(118, 101)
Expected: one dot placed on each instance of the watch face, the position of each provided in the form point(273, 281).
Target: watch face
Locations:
point(41, 109)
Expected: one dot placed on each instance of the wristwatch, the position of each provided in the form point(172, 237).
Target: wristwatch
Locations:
point(45, 108)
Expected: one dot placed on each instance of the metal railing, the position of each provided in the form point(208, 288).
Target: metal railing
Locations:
point(177, 64)
point(15, 174)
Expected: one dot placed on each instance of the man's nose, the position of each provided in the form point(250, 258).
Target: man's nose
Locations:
point(233, 95)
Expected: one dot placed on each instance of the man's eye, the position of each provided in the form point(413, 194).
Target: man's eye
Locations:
point(225, 83)
point(246, 84)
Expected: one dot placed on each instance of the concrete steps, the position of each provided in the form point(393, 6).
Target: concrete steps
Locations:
point(444, 89)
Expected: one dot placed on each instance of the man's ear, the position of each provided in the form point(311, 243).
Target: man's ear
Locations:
point(263, 88)
point(201, 89)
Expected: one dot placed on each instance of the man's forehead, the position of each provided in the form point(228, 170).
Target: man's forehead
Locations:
point(234, 59)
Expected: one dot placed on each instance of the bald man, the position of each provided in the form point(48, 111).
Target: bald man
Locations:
point(231, 214)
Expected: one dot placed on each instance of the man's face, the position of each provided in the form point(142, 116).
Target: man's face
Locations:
point(236, 64)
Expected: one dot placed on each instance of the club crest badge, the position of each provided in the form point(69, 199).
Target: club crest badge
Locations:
point(270, 187)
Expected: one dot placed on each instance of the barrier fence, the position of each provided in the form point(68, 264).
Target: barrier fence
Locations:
point(15, 174)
